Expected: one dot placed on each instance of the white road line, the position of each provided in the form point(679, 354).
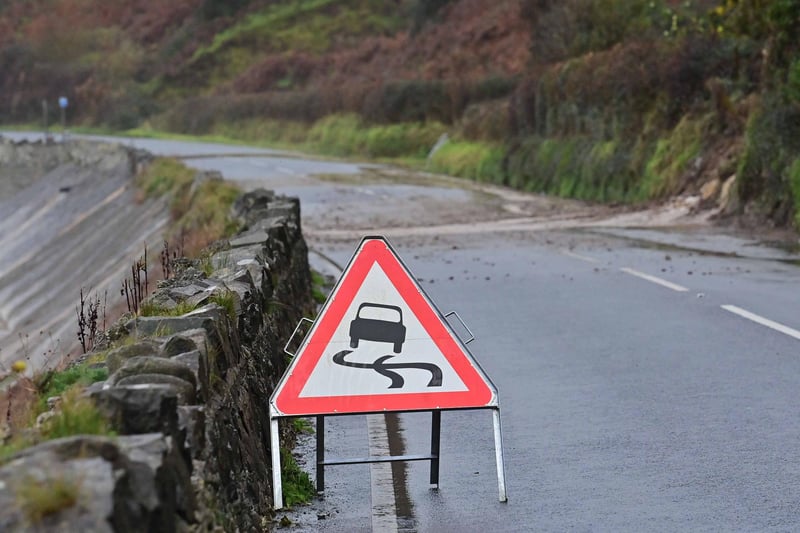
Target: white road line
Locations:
point(786, 330)
point(384, 510)
point(653, 279)
point(579, 257)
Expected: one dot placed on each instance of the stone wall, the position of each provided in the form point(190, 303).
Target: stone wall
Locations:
point(187, 395)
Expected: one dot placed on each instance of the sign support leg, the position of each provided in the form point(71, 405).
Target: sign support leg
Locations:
point(436, 427)
point(320, 453)
point(275, 445)
point(498, 452)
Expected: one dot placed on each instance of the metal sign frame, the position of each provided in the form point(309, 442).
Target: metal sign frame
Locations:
point(433, 457)
point(276, 414)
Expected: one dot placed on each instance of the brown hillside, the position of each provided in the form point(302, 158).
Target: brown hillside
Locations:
point(477, 39)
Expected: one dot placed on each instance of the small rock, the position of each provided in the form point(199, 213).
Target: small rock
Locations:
point(154, 365)
point(178, 344)
point(139, 409)
point(184, 389)
point(42, 419)
point(117, 357)
point(710, 190)
point(728, 201)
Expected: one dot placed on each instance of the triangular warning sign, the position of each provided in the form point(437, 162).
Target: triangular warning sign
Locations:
point(379, 344)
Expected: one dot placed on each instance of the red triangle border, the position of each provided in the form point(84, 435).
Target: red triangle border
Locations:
point(480, 392)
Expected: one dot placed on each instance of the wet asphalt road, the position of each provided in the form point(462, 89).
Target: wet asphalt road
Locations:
point(627, 404)
point(631, 400)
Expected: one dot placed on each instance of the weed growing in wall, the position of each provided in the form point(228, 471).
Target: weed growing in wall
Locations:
point(297, 486)
point(40, 498)
point(76, 415)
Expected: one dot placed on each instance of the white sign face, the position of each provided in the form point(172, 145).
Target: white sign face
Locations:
point(380, 344)
point(334, 377)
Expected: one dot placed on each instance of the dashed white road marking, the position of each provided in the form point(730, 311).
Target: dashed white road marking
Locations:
point(786, 330)
point(579, 257)
point(654, 279)
point(384, 510)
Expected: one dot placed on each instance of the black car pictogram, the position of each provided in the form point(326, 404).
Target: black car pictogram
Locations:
point(373, 329)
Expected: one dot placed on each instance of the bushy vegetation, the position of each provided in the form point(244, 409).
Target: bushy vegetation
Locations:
point(56, 382)
point(151, 308)
point(768, 166)
point(226, 300)
point(472, 160)
point(76, 415)
point(794, 183)
point(609, 100)
point(199, 210)
point(349, 135)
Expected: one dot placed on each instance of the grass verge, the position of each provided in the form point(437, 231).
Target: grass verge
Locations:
point(77, 415)
point(794, 183)
point(318, 284)
point(297, 486)
point(55, 383)
point(199, 206)
point(150, 308)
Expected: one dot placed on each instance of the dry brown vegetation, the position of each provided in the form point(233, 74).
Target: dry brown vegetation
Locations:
point(574, 97)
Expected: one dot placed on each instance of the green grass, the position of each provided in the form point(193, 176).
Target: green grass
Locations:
point(473, 160)
point(165, 176)
point(297, 486)
point(318, 287)
point(55, 383)
point(305, 25)
point(671, 158)
point(39, 499)
point(348, 135)
point(300, 26)
point(204, 214)
point(794, 184)
point(149, 308)
point(77, 415)
point(302, 425)
point(226, 300)
point(199, 213)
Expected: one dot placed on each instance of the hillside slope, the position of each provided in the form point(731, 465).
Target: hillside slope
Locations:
point(612, 100)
